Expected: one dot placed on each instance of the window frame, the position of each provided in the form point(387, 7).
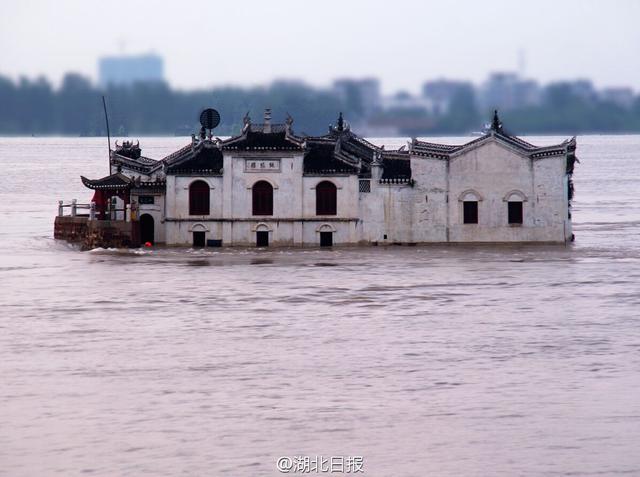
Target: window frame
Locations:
point(468, 220)
point(514, 215)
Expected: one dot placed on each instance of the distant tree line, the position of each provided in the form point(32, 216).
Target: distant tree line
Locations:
point(34, 107)
point(75, 108)
point(563, 111)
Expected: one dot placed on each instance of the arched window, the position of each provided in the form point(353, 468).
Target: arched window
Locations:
point(515, 205)
point(262, 198)
point(469, 199)
point(326, 198)
point(199, 198)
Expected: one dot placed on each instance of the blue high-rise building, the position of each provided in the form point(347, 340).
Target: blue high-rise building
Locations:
point(129, 69)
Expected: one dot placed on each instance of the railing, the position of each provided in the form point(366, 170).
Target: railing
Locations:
point(397, 180)
point(110, 212)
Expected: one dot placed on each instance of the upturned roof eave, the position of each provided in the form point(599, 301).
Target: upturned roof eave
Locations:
point(125, 182)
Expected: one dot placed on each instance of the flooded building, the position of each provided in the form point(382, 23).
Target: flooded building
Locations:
point(269, 186)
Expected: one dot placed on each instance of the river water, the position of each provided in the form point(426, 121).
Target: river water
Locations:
point(424, 361)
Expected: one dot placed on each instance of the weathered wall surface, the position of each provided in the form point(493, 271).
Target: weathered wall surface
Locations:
point(430, 199)
point(430, 210)
point(110, 234)
point(294, 221)
point(178, 224)
point(493, 173)
point(71, 229)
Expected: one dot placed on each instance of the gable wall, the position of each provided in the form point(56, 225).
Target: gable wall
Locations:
point(493, 170)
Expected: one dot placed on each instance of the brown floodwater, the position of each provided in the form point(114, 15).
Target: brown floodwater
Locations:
point(427, 360)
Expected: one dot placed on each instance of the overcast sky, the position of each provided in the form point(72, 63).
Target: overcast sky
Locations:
point(246, 42)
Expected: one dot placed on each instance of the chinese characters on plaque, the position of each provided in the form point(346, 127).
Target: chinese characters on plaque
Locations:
point(261, 165)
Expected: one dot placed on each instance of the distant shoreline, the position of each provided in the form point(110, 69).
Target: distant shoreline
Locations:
point(169, 136)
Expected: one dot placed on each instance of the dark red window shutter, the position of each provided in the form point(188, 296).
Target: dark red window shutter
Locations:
point(199, 198)
point(326, 198)
point(262, 198)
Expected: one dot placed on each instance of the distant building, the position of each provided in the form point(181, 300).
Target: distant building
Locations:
point(622, 97)
point(440, 93)
point(508, 91)
point(126, 70)
point(361, 95)
point(405, 101)
point(583, 89)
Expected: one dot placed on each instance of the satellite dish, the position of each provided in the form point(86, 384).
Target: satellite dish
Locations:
point(209, 118)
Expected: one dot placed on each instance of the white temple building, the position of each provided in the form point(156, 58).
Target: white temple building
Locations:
point(270, 187)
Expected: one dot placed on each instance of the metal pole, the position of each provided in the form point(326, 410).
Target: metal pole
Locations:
point(106, 119)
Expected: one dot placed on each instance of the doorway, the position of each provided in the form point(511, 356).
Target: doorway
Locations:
point(146, 229)
point(199, 239)
point(262, 238)
point(326, 239)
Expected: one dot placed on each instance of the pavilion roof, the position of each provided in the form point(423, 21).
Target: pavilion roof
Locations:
point(117, 181)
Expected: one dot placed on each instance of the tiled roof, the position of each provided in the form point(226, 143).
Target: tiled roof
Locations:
point(141, 164)
point(204, 158)
point(444, 151)
point(262, 141)
point(496, 131)
point(396, 167)
point(322, 159)
point(114, 181)
point(264, 137)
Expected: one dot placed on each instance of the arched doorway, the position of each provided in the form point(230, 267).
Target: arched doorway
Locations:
point(326, 232)
point(146, 228)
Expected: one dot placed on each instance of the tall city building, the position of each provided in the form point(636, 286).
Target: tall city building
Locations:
point(442, 92)
point(362, 95)
point(129, 69)
point(507, 91)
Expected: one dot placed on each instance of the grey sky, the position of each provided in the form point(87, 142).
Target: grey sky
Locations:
point(402, 42)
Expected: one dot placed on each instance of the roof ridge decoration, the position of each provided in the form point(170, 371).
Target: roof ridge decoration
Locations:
point(496, 124)
point(495, 132)
point(341, 126)
point(266, 136)
point(246, 122)
point(289, 124)
point(267, 121)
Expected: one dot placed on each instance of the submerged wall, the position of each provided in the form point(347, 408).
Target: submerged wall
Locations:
point(96, 233)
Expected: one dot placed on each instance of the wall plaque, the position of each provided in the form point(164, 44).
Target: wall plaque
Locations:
point(262, 165)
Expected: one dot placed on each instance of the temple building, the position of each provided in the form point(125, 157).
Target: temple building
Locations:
point(271, 187)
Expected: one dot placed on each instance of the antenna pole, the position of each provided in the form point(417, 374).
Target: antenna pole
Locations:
point(106, 119)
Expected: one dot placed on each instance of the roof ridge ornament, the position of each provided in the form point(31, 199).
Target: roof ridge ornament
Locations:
point(267, 120)
point(288, 123)
point(496, 124)
point(341, 126)
point(246, 122)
